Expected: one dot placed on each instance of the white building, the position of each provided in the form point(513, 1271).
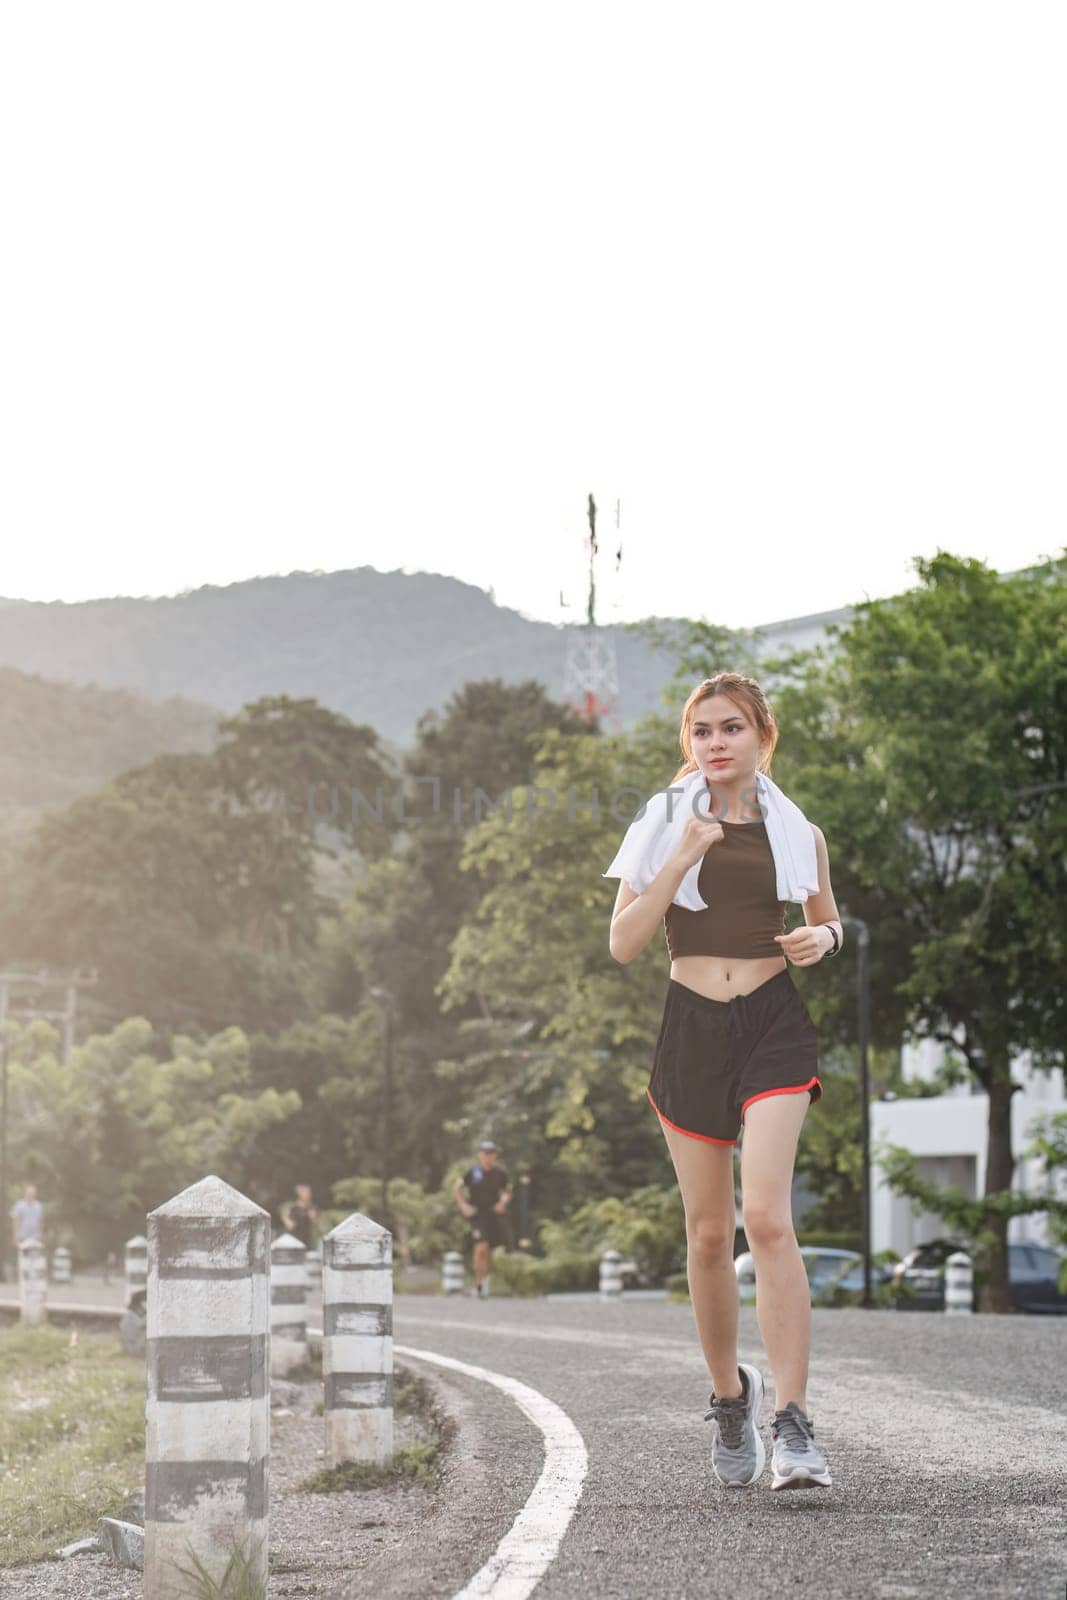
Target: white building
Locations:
point(948, 1134)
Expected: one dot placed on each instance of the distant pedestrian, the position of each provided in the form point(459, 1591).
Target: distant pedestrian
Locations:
point(737, 1050)
point(488, 1194)
point(27, 1218)
point(300, 1216)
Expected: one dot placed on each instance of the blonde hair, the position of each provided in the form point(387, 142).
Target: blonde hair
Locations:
point(744, 692)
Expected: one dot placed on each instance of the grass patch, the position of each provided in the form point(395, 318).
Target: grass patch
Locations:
point(71, 1437)
point(307, 1372)
point(238, 1581)
point(415, 1463)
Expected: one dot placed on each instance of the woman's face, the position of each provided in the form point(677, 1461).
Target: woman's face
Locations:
point(724, 741)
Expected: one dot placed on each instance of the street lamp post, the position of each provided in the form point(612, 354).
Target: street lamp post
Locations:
point(384, 998)
point(863, 1033)
point(524, 1211)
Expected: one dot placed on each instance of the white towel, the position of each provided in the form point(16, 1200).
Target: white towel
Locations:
point(652, 837)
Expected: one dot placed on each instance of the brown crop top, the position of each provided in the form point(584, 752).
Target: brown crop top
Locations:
point(740, 884)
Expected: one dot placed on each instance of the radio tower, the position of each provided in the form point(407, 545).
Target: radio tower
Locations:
point(591, 682)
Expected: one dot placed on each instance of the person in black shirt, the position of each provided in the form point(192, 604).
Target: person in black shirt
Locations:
point(300, 1216)
point(484, 1205)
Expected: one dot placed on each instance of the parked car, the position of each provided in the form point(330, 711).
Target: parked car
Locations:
point(828, 1269)
point(836, 1276)
point(1033, 1277)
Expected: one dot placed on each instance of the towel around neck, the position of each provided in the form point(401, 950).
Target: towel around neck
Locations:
point(657, 830)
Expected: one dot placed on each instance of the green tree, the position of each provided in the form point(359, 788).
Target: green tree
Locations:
point(306, 767)
point(1048, 1133)
point(939, 719)
point(120, 1128)
point(425, 1223)
point(190, 881)
point(334, 1066)
point(396, 929)
point(556, 1033)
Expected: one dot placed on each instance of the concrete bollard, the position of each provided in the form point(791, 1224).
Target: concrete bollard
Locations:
point(610, 1275)
point(314, 1270)
point(33, 1284)
point(452, 1272)
point(959, 1283)
point(357, 1341)
point(61, 1265)
point(132, 1332)
point(136, 1267)
point(288, 1306)
point(207, 1445)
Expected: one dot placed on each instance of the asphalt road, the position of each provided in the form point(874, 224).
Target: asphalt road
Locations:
point(946, 1437)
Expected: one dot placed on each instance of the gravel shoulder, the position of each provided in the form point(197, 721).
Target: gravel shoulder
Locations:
point(320, 1543)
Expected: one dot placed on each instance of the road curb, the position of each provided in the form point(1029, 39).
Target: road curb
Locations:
point(489, 1469)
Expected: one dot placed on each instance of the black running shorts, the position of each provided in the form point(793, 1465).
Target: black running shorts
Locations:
point(713, 1058)
point(489, 1227)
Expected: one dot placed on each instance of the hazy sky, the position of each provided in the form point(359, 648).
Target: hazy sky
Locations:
point(297, 287)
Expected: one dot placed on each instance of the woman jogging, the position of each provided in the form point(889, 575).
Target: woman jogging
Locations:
point(736, 1048)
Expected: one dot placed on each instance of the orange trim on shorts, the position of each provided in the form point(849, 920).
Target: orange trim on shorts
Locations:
point(687, 1131)
point(793, 1088)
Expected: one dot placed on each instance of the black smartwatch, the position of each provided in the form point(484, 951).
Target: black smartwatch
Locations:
point(833, 935)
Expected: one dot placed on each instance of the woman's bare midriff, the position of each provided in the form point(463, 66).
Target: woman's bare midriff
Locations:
point(723, 977)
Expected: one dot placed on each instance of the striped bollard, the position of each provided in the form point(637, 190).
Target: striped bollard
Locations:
point(452, 1272)
point(357, 1341)
point(61, 1265)
point(136, 1267)
point(33, 1284)
point(207, 1442)
point(610, 1275)
point(288, 1305)
point(959, 1283)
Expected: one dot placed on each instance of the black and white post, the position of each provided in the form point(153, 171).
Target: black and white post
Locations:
point(208, 1414)
point(33, 1283)
point(288, 1305)
point(357, 1341)
point(136, 1267)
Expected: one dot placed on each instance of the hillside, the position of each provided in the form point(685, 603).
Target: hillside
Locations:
point(59, 740)
point(382, 647)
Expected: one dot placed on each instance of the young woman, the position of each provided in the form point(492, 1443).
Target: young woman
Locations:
point(737, 1050)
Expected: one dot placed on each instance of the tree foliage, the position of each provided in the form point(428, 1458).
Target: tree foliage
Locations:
point(458, 972)
point(189, 882)
point(120, 1129)
point(940, 721)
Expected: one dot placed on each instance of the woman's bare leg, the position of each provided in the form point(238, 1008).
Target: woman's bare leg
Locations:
point(706, 1180)
point(783, 1296)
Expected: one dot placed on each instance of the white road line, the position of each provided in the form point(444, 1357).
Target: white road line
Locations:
point(526, 1551)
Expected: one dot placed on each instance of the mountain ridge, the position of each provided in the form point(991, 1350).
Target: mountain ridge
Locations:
point(379, 646)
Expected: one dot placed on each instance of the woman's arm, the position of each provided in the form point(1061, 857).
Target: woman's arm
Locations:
point(805, 946)
point(636, 917)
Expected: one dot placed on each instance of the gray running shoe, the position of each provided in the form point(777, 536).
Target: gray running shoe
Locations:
point(737, 1451)
point(797, 1460)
